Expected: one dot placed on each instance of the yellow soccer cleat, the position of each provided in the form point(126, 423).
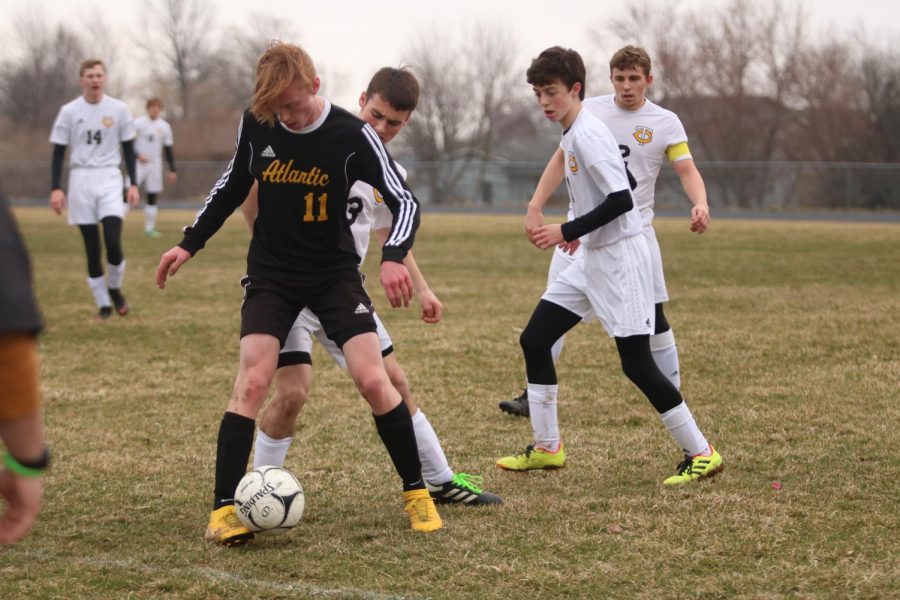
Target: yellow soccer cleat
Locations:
point(534, 458)
point(423, 516)
point(226, 529)
point(697, 467)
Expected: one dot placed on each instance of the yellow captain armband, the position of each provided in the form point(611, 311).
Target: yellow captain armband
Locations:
point(676, 151)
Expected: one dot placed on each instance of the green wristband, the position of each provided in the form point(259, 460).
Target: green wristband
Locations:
point(10, 462)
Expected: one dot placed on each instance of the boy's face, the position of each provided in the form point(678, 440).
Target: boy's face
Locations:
point(386, 120)
point(92, 82)
point(153, 111)
point(631, 87)
point(297, 107)
point(557, 101)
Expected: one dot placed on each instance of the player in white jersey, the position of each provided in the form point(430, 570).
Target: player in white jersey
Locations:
point(647, 135)
point(154, 139)
point(610, 279)
point(94, 125)
point(386, 105)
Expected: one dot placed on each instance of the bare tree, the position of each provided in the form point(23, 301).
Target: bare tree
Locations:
point(178, 44)
point(44, 75)
point(469, 108)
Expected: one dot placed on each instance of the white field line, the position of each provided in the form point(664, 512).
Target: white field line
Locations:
point(216, 576)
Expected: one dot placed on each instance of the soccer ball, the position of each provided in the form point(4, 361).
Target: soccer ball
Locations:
point(269, 500)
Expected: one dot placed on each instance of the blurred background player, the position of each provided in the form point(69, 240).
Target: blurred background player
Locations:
point(93, 126)
point(647, 135)
point(610, 279)
point(386, 105)
point(154, 139)
point(305, 153)
point(21, 423)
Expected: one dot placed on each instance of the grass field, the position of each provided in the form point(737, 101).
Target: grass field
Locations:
point(789, 338)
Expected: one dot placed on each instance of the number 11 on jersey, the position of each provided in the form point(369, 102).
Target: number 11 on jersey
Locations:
point(310, 205)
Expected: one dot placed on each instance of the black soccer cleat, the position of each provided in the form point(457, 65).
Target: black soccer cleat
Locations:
point(104, 313)
point(517, 406)
point(119, 301)
point(463, 489)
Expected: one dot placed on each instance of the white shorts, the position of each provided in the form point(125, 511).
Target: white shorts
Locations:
point(307, 325)
point(660, 294)
point(94, 194)
point(560, 262)
point(612, 284)
point(150, 177)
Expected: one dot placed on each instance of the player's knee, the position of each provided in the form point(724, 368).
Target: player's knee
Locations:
point(252, 387)
point(288, 402)
point(532, 344)
point(372, 385)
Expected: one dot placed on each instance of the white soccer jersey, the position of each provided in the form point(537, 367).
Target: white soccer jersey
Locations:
point(93, 132)
point(367, 211)
point(152, 135)
point(643, 135)
point(594, 169)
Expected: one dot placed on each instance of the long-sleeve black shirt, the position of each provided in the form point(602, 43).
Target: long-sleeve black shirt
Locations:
point(302, 230)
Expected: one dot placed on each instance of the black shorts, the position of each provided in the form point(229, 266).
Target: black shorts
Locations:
point(341, 303)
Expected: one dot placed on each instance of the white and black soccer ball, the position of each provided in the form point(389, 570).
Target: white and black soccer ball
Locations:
point(269, 500)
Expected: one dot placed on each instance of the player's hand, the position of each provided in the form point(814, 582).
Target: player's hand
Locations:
point(169, 263)
point(570, 247)
point(432, 309)
point(548, 236)
point(534, 218)
point(23, 497)
point(133, 196)
point(143, 159)
point(699, 219)
point(397, 283)
point(58, 201)
point(171, 176)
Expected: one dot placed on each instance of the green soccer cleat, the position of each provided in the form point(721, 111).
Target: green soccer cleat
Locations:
point(534, 458)
point(463, 489)
point(226, 529)
point(423, 516)
point(697, 467)
point(152, 233)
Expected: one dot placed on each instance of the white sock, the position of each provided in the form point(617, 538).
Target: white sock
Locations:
point(269, 451)
point(149, 217)
point(542, 406)
point(680, 423)
point(556, 349)
point(435, 468)
point(98, 289)
point(115, 274)
point(665, 354)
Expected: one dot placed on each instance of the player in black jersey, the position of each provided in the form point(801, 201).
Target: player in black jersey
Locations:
point(304, 153)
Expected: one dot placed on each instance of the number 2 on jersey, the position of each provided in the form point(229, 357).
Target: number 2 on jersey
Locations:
point(308, 216)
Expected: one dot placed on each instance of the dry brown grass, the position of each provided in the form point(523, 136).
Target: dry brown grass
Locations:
point(788, 335)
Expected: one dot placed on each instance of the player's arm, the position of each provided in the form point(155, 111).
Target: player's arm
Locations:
point(172, 175)
point(226, 195)
point(549, 181)
point(133, 196)
point(432, 309)
point(250, 207)
point(380, 172)
point(20, 474)
point(693, 185)
point(609, 175)
point(57, 195)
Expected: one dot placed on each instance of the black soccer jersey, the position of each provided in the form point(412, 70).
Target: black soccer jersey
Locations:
point(302, 230)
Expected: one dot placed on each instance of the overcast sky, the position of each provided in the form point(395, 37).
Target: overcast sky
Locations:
point(349, 39)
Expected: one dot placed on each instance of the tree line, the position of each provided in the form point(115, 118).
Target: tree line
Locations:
point(755, 85)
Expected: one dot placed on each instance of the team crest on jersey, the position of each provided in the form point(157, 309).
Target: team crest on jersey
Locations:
point(643, 135)
point(573, 163)
point(107, 122)
point(379, 199)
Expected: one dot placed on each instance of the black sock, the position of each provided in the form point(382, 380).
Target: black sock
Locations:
point(396, 430)
point(232, 454)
